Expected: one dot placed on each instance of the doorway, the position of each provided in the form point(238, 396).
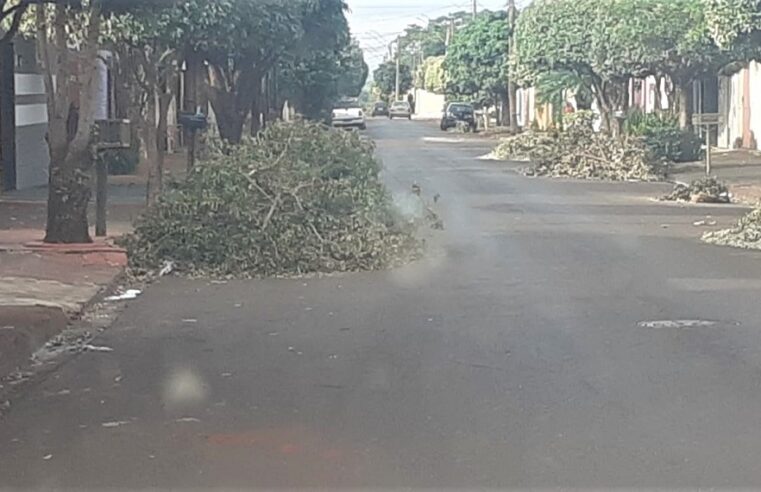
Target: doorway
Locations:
point(7, 118)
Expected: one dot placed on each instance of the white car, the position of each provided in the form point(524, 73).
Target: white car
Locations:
point(348, 115)
point(400, 109)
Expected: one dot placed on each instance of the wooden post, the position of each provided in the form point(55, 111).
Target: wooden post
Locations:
point(101, 196)
point(192, 150)
point(707, 130)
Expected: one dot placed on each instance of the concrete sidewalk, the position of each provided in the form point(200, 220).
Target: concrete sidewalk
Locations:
point(740, 169)
point(43, 287)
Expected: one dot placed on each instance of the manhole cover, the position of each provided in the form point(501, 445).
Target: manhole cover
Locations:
point(677, 323)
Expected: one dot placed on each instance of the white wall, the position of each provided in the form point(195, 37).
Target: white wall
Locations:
point(755, 101)
point(101, 86)
point(32, 157)
point(428, 104)
point(731, 106)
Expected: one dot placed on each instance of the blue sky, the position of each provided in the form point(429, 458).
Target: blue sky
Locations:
point(375, 23)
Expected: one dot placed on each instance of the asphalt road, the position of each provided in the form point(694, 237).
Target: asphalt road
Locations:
point(512, 356)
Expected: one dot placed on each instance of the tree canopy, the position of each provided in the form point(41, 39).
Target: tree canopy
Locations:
point(313, 82)
point(420, 42)
point(432, 76)
point(731, 21)
point(606, 42)
point(385, 78)
point(476, 62)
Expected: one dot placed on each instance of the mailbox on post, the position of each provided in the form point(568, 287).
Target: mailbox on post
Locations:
point(112, 134)
point(193, 123)
point(706, 121)
point(109, 135)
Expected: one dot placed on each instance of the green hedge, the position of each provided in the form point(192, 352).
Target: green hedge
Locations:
point(664, 137)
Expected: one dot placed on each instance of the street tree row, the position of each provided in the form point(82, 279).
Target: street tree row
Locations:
point(244, 57)
point(591, 48)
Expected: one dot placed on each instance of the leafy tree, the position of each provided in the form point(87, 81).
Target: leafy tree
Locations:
point(569, 36)
point(606, 42)
point(353, 71)
point(149, 58)
point(314, 82)
point(12, 13)
point(734, 21)
point(326, 65)
point(553, 88)
point(70, 82)
point(421, 42)
point(252, 36)
point(476, 63)
point(385, 78)
point(679, 45)
point(432, 76)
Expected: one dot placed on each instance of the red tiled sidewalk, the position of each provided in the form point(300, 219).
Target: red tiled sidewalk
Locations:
point(43, 286)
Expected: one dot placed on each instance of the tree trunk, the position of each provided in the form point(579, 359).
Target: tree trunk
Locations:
point(69, 125)
point(256, 107)
point(671, 98)
point(229, 119)
point(658, 99)
point(232, 101)
point(150, 139)
point(164, 101)
point(512, 105)
point(684, 97)
point(504, 109)
point(603, 105)
point(68, 197)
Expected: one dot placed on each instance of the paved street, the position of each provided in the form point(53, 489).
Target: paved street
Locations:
point(513, 355)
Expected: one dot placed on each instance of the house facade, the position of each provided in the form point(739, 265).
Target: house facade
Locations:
point(24, 155)
point(736, 98)
point(23, 106)
point(739, 102)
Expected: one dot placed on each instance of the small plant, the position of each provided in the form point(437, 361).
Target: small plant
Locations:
point(663, 136)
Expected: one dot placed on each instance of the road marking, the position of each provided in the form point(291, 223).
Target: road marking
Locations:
point(676, 323)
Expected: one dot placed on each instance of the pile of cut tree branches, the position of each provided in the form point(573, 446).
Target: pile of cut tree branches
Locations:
point(745, 234)
point(301, 198)
point(580, 152)
point(704, 190)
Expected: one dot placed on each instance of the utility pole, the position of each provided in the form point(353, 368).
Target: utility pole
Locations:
point(512, 89)
point(398, 61)
point(475, 8)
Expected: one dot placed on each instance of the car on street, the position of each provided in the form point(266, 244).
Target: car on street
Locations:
point(348, 114)
point(457, 112)
point(400, 109)
point(380, 109)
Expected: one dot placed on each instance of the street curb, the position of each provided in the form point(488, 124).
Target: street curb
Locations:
point(23, 361)
point(33, 326)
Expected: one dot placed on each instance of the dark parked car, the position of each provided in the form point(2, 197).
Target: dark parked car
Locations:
point(458, 111)
point(380, 109)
